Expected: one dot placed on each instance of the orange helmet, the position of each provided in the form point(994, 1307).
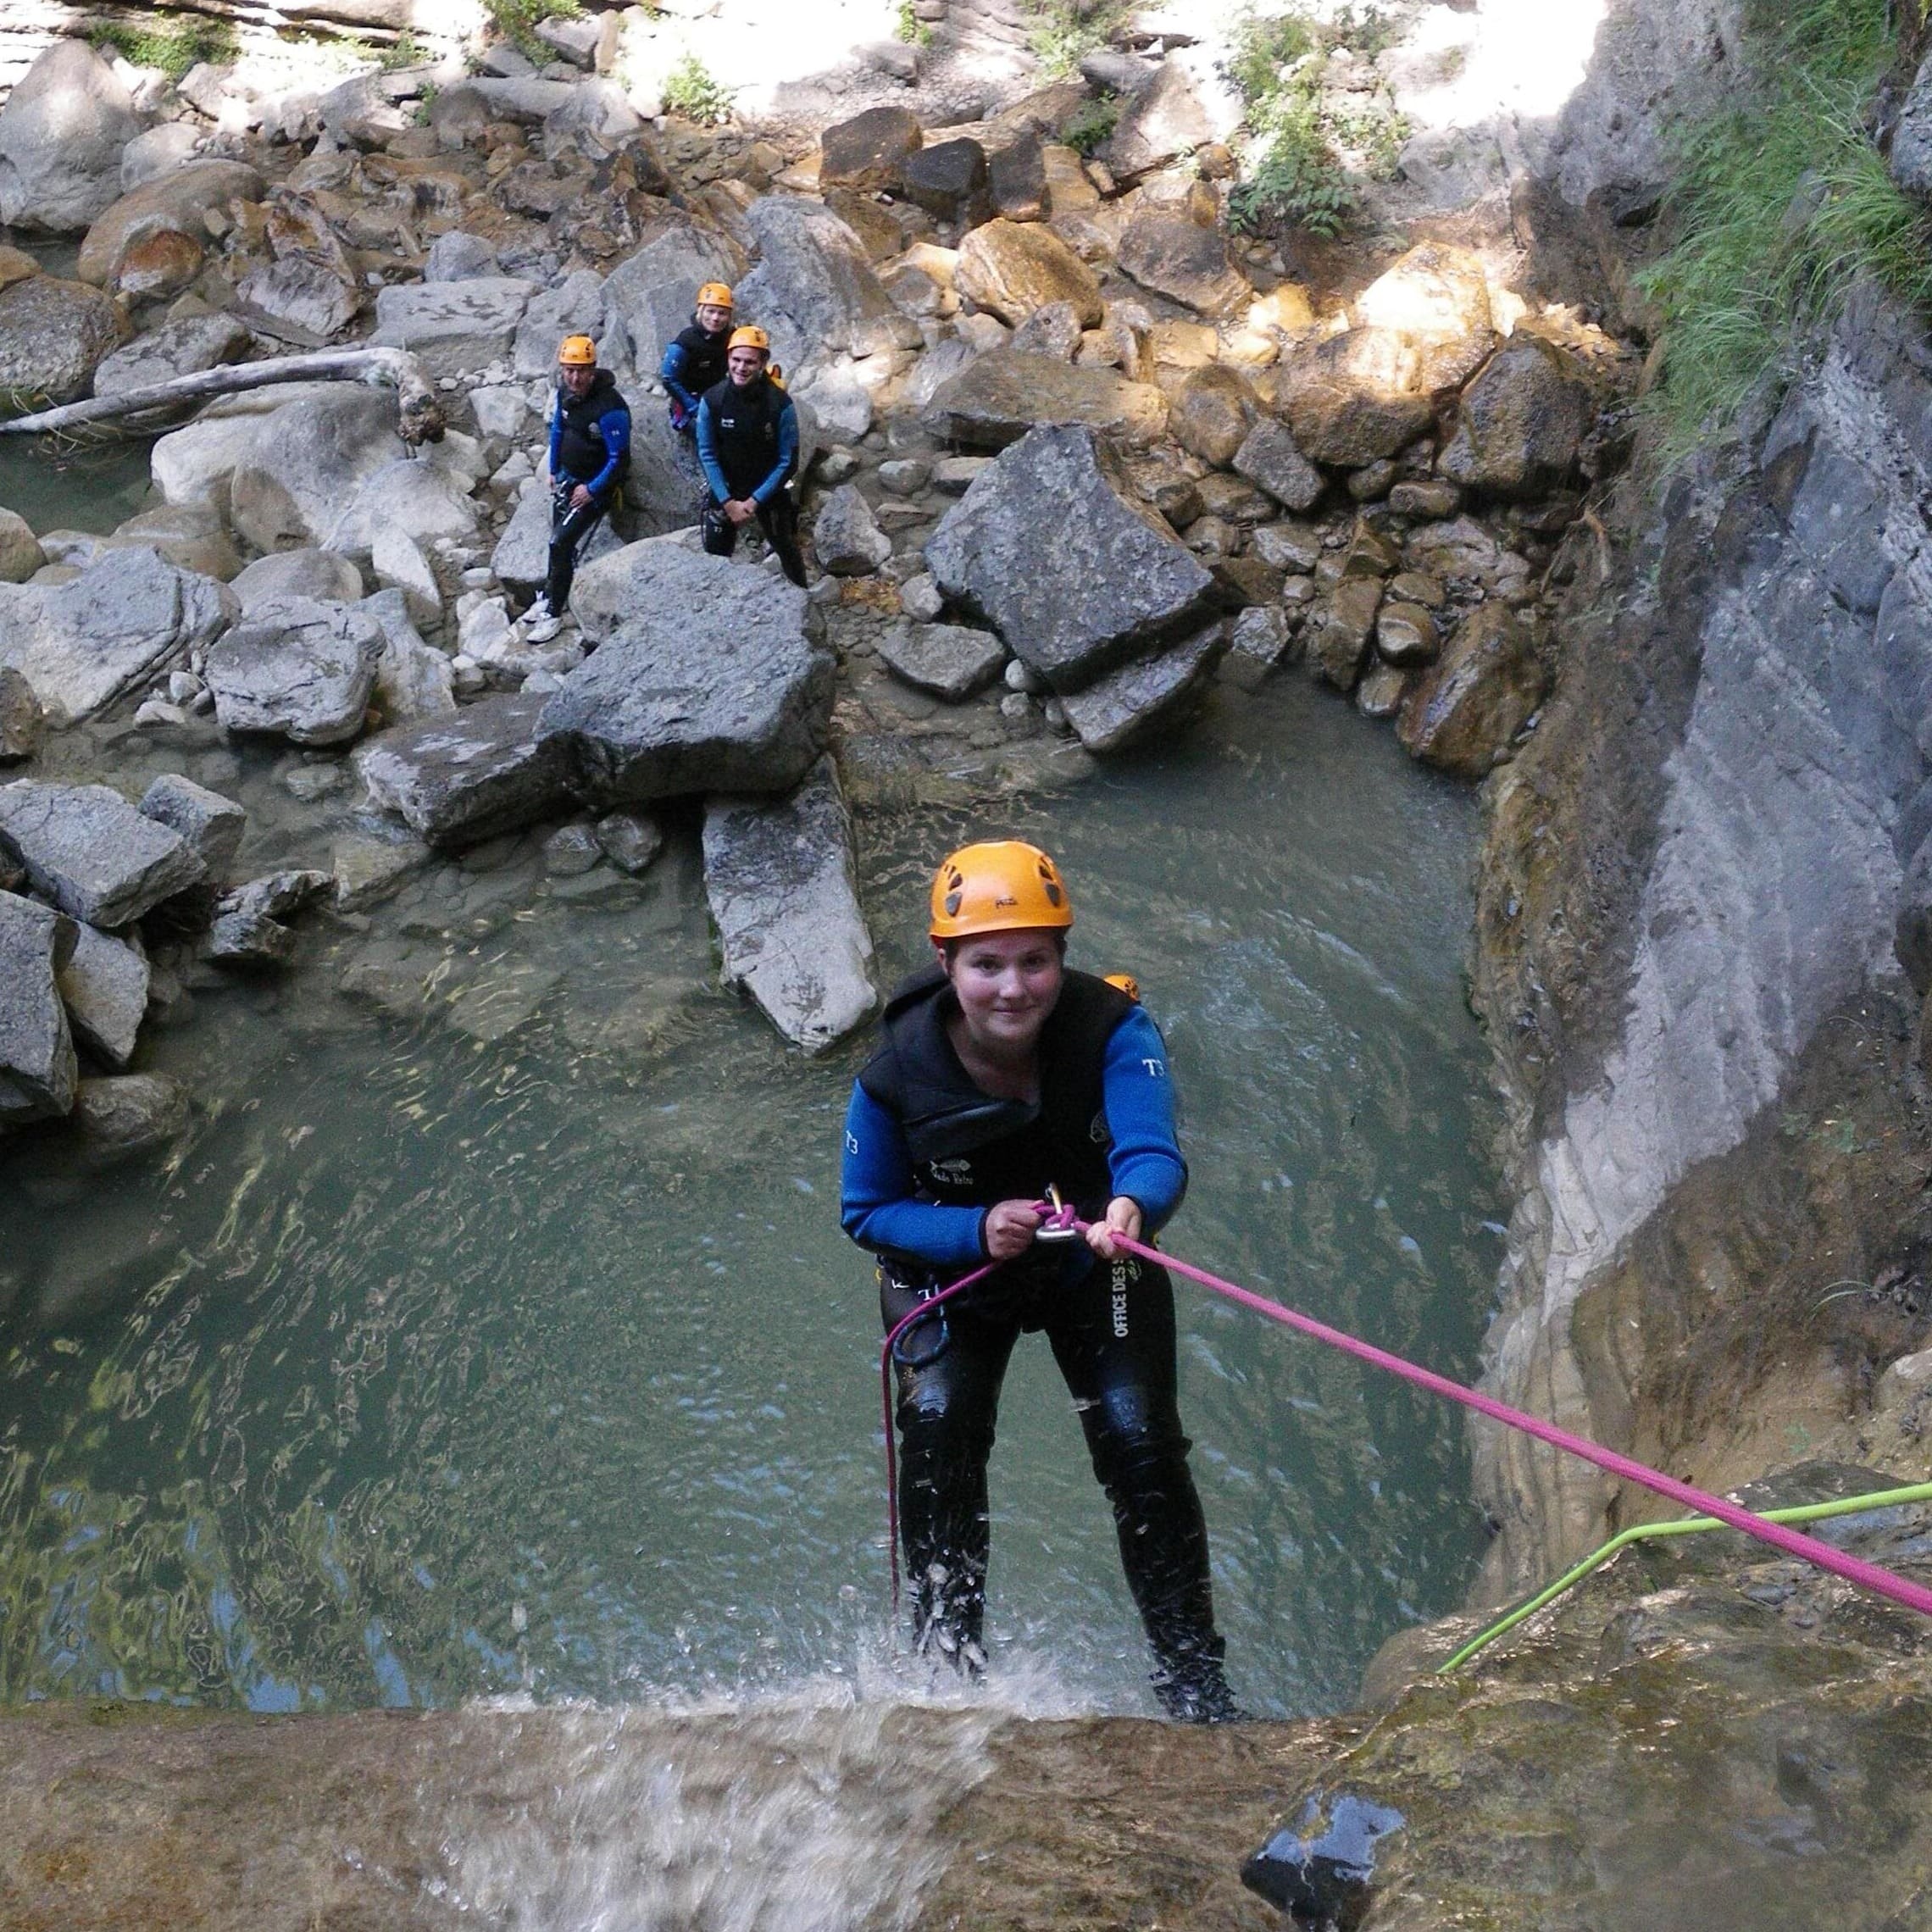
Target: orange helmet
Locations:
point(714, 295)
point(576, 351)
point(1007, 886)
point(749, 337)
point(1127, 984)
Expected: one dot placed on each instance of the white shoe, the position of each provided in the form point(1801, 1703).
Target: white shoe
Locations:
point(541, 624)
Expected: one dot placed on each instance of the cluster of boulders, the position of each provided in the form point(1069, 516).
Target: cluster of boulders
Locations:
point(1067, 451)
point(103, 906)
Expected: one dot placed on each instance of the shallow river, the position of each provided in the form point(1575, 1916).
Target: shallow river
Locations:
point(458, 1358)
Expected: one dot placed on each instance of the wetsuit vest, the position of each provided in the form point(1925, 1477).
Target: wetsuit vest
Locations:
point(969, 1149)
point(581, 451)
point(744, 430)
point(704, 359)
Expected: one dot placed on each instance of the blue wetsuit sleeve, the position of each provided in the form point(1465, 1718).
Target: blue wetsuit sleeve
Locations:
point(672, 375)
point(556, 437)
point(707, 455)
point(614, 427)
point(1145, 1159)
point(876, 1205)
point(787, 454)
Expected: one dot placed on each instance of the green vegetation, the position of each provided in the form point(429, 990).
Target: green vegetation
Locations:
point(1092, 124)
point(173, 49)
point(1068, 32)
point(910, 28)
point(516, 20)
point(1301, 143)
point(692, 94)
point(1779, 207)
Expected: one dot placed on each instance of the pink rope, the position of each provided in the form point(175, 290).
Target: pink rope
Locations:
point(1853, 1569)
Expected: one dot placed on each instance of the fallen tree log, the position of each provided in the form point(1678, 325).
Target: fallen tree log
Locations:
point(421, 418)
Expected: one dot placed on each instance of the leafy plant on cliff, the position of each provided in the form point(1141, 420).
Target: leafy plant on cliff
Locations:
point(1780, 205)
point(692, 93)
point(516, 20)
point(173, 50)
point(1066, 32)
point(1090, 125)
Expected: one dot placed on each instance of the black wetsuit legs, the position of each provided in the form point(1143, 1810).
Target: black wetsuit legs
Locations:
point(778, 519)
point(1112, 1336)
point(570, 530)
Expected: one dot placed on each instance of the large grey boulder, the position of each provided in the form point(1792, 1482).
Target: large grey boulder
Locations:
point(90, 852)
point(303, 464)
point(420, 501)
point(453, 328)
point(81, 644)
point(951, 661)
point(1051, 546)
point(1268, 457)
point(573, 307)
point(649, 296)
point(471, 774)
point(176, 203)
point(1522, 422)
point(302, 298)
point(105, 986)
point(23, 718)
point(868, 153)
point(53, 335)
point(1164, 250)
point(287, 574)
point(1166, 120)
point(594, 123)
point(703, 679)
point(997, 397)
point(847, 538)
point(413, 680)
point(779, 875)
point(184, 347)
point(1468, 706)
point(1014, 269)
point(813, 288)
point(1354, 397)
point(1132, 704)
point(20, 553)
point(457, 256)
point(61, 135)
point(303, 670)
point(212, 825)
point(38, 1070)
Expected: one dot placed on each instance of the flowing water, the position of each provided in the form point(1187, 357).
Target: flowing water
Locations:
point(519, 1349)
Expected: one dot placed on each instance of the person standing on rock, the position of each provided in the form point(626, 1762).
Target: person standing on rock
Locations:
point(694, 361)
point(747, 446)
point(590, 456)
point(1004, 1073)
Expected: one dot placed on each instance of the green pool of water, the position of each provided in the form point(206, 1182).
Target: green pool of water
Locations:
point(445, 1364)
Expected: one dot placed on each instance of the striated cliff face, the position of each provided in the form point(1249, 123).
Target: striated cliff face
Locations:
point(1686, 919)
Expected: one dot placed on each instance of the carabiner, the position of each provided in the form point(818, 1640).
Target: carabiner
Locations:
point(1058, 1225)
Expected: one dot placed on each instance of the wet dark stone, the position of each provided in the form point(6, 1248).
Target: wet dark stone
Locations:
point(1323, 1879)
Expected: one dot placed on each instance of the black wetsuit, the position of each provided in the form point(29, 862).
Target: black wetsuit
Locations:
point(1111, 1324)
point(747, 446)
point(590, 445)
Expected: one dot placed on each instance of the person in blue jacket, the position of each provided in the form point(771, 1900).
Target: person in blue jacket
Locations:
point(1002, 1072)
point(590, 456)
point(694, 358)
point(747, 447)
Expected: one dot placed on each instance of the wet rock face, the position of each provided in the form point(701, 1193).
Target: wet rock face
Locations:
point(1462, 715)
point(779, 878)
point(739, 702)
point(1180, 259)
point(1754, 1725)
point(61, 135)
point(1011, 268)
point(1049, 546)
point(1354, 397)
point(869, 152)
point(1521, 423)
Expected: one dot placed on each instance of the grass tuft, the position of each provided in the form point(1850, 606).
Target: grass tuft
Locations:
point(516, 20)
point(173, 50)
point(1779, 206)
point(692, 95)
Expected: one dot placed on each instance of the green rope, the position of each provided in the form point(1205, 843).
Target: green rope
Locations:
point(1682, 1526)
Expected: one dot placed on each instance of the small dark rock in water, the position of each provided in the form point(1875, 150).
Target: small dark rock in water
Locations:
point(129, 1114)
point(630, 840)
point(1324, 1879)
point(571, 850)
point(249, 940)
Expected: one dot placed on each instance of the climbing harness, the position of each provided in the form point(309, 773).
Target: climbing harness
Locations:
point(1058, 1222)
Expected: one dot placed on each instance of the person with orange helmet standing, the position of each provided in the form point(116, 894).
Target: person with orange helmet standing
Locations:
point(747, 447)
point(590, 456)
point(694, 358)
point(1004, 1074)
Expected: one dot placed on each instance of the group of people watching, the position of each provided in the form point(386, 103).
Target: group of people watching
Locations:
point(727, 400)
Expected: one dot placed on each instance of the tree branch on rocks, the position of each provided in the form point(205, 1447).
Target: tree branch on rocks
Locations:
point(421, 418)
